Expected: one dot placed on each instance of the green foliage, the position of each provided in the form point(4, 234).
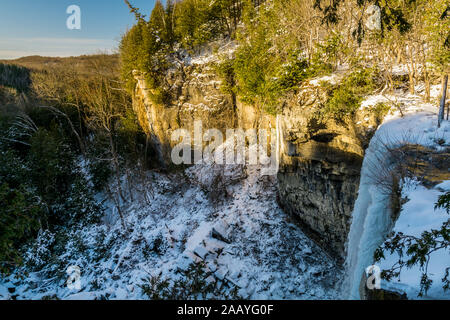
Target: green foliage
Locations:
point(328, 54)
point(189, 23)
point(291, 74)
point(381, 110)
point(256, 64)
point(20, 215)
point(200, 21)
point(343, 102)
point(14, 76)
point(40, 188)
point(253, 67)
point(347, 97)
point(99, 169)
point(362, 80)
point(391, 15)
point(437, 26)
point(394, 17)
point(52, 163)
point(225, 70)
point(258, 74)
point(319, 68)
point(130, 138)
point(20, 210)
point(161, 22)
point(141, 49)
point(80, 207)
point(197, 22)
point(263, 74)
point(444, 202)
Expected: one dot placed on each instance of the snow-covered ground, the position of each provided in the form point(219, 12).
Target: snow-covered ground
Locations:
point(267, 257)
point(371, 218)
point(418, 215)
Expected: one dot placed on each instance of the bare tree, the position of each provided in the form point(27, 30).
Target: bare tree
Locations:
point(105, 106)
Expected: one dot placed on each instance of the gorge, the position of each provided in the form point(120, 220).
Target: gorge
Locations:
point(231, 150)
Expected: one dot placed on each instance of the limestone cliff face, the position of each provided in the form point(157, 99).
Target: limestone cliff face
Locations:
point(320, 166)
point(195, 94)
point(320, 158)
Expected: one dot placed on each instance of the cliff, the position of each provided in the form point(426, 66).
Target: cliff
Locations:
point(320, 167)
point(320, 158)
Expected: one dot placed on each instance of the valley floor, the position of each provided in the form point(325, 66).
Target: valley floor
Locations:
point(266, 257)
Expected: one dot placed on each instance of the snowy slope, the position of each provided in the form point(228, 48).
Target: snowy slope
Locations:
point(267, 256)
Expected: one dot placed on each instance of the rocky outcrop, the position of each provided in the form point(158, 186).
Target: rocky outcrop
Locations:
point(195, 95)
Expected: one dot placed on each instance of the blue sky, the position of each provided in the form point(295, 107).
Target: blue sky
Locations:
point(38, 27)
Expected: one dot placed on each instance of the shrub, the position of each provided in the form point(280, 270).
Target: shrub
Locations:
point(192, 285)
point(15, 77)
point(381, 110)
point(291, 73)
point(52, 164)
point(225, 70)
point(444, 202)
point(80, 207)
point(343, 102)
point(331, 51)
point(346, 98)
point(361, 81)
point(20, 218)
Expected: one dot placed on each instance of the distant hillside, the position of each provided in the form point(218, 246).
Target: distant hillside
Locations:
point(82, 63)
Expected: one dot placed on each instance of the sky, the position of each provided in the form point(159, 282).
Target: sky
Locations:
point(39, 27)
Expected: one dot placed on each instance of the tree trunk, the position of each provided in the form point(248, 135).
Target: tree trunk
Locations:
point(448, 109)
point(411, 83)
point(444, 97)
point(427, 87)
point(426, 74)
point(411, 70)
point(129, 183)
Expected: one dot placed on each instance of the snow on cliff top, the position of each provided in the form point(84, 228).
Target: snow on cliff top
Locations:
point(226, 49)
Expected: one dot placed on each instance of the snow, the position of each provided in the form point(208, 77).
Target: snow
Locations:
point(418, 215)
point(400, 70)
point(82, 296)
point(371, 221)
point(267, 257)
point(332, 79)
point(226, 49)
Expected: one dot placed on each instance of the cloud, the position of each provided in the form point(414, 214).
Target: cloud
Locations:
point(62, 47)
